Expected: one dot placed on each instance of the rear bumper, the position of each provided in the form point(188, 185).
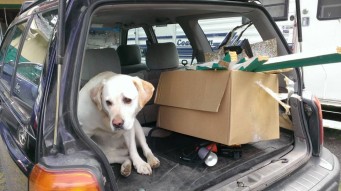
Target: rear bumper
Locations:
point(320, 173)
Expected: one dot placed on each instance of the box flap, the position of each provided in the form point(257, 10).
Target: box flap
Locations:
point(198, 90)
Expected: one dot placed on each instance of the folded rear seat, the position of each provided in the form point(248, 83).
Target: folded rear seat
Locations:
point(160, 57)
point(97, 61)
point(130, 58)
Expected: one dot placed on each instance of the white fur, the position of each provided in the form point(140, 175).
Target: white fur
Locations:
point(119, 145)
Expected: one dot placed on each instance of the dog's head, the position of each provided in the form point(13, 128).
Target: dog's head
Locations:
point(120, 98)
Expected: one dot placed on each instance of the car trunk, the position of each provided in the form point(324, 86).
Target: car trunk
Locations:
point(182, 169)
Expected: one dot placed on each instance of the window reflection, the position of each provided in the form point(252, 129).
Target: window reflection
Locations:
point(33, 56)
point(11, 54)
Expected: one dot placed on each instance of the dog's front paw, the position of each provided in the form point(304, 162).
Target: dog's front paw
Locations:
point(153, 161)
point(143, 168)
point(126, 168)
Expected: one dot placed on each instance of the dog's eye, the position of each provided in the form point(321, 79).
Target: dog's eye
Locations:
point(108, 102)
point(126, 100)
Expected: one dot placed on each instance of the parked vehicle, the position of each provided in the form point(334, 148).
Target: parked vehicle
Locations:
point(43, 146)
point(320, 31)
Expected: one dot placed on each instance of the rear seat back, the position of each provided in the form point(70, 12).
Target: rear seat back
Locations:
point(99, 60)
point(162, 56)
point(159, 58)
point(130, 58)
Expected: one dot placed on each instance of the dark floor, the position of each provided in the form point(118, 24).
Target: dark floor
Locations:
point(190, 174)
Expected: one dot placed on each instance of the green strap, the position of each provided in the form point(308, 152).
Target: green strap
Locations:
point(310, 61)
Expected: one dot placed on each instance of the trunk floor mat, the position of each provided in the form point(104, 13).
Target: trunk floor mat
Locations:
point(175, 173)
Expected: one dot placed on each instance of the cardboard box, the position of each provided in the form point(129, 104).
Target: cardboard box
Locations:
point(223, 106)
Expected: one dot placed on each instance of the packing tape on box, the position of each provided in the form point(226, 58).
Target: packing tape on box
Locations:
point(274, 95)
point(290, 85)
point(277, 96)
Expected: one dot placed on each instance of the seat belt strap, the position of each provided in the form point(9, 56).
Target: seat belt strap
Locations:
point(193, 55)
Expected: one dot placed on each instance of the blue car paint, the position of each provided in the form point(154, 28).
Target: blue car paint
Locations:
point(16, 153)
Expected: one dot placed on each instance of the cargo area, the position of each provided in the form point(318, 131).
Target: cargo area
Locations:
point(224, 112)
point(176, 173)
point(232, 107)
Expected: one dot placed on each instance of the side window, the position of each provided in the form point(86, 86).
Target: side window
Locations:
point(138, 36)
point(32, 57)
point(10, 53)
point(103, 37)
point(216, 30)
point(6, 40)
point(174, 33)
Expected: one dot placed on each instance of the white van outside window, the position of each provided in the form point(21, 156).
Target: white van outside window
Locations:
point(216, 30)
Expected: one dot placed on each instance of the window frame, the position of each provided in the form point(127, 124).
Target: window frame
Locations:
point(13, 26)
point(9, 34)
point(20, 100)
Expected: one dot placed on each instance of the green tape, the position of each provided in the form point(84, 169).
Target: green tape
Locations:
point(227, 58)
point(254, 65)
point(309, 61)
point(242, 60)
point(10, 6)
point(215, 66)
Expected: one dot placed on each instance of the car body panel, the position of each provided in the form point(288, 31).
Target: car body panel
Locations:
point(320, 173)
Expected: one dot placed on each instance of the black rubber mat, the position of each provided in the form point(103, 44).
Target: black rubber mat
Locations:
point(175, 173)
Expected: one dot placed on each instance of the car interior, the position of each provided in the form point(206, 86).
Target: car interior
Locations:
point(175, 150)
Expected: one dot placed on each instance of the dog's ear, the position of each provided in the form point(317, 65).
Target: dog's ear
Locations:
point(145, 90)
point(96, 95)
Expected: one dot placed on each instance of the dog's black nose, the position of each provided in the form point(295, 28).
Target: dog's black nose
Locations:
point(118, 123)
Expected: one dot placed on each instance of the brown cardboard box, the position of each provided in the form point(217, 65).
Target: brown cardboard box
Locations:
point(223, 106)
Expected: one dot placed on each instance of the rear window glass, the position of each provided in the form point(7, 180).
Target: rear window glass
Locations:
point(216, 30)
point(103, 37)
point(175, 34)
point(138, 36)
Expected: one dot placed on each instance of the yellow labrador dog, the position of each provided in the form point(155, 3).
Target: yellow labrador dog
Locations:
point(107, 109)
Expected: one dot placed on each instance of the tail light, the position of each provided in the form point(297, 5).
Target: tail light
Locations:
point(43, 179)
point(318, 104)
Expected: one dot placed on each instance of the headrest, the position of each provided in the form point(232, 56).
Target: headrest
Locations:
point(100, 60)
point(129, 54)
point(162, 56)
